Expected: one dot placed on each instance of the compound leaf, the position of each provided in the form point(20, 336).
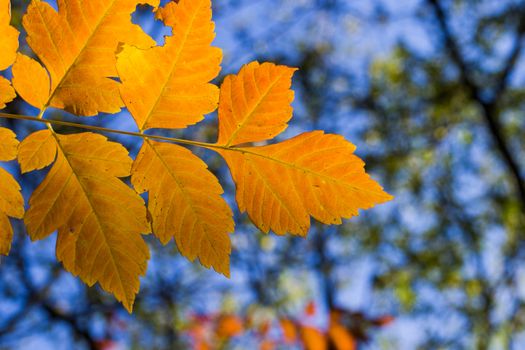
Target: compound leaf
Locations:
point(84, 47)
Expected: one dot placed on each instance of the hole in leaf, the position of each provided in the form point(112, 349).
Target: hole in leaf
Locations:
point(145, 18)
point(117, 79)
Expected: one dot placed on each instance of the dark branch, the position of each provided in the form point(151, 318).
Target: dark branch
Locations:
point(73, 322)
point(489, 108)
point(503, 79)
point(38, 297)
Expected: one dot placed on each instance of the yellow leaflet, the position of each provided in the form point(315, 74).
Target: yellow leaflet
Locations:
point(8, 47)
point(99, 219)
point(7, 94)
point(11, 201)
point(255, 104)
point(185, 202)
point(31, 81)
point(8, 36)
point(282, 185)
point(77, 45)
point(313, 174)
point(168, 86)
point(8, 145)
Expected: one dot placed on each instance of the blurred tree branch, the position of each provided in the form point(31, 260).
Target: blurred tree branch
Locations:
point(488, 106)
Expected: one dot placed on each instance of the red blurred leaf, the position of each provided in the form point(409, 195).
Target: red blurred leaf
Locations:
point(383, 321)
point(310, 309)
point(267, 345)
point(264, 327)
point(106, 344)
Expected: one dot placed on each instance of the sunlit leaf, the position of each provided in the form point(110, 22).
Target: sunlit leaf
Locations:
point(8, 48)
point(99, 218)
point(168, 86)
point(192, 210)
point(11, 201)
point(255, 104)
point(77, 45)
point(314, 174)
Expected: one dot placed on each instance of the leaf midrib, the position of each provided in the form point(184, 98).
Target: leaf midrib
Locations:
point(172, 68)
point(305, 170)
point(250, 114)
point(99, 223)
point(81, 52)
point(184, 192)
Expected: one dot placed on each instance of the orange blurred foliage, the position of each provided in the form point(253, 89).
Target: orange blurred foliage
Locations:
point(313, 339)
point(229, 326)
point(289, 330)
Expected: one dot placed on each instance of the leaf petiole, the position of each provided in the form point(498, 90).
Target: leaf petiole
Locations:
point(114, 131)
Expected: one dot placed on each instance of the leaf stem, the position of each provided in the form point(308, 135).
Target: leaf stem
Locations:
point(51, 122)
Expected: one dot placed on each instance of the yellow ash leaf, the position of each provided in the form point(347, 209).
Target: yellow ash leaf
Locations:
point(11, 201)
point(37, 151)
point(99, 219)
point(255, 104)
point(313, 174)
point(7, 94)
point(31, 81)
point(77, 45)
point(11, 204)
point(185, 202)
point(8, 145)
point(8, 48)
point(8, 36)
point(6, 231)
point(168, 86)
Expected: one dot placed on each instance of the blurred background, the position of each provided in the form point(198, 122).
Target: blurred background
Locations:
point(432, 92)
